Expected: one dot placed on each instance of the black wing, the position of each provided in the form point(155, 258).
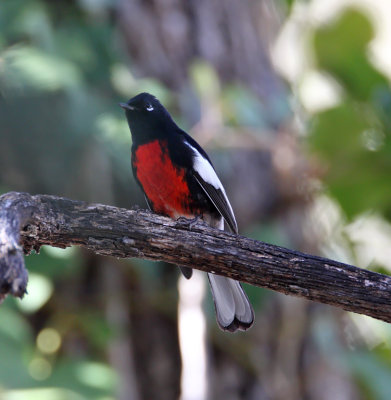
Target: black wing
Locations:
point(220, 201)
point(205, 175)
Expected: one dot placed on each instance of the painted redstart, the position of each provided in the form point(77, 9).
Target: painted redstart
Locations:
point(179, 180)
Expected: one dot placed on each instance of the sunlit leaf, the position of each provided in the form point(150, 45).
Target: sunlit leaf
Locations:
point(42, 394)
point(341, 49)
point(39, 291)
point(356, 158)
point(96, 375)
point(36, 69)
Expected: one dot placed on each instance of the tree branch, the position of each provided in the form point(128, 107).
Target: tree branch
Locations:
point(27, 222)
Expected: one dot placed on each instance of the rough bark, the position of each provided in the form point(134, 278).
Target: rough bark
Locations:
point(31, 221)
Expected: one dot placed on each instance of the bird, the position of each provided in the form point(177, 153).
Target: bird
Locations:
point(179, 181)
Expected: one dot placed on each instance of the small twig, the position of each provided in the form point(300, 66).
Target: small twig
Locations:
point(28, 222)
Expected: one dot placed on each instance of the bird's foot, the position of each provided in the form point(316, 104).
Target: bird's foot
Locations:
point(189, 222)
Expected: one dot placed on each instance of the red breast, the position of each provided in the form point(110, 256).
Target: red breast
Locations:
point(163, 183)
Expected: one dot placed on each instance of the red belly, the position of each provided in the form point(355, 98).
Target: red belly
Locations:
point(164, 185)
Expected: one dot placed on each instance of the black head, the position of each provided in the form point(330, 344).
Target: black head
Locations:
point(142, 103)
point(147, 117)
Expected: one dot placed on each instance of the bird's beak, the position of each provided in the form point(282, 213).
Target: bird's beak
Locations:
point(126, 106)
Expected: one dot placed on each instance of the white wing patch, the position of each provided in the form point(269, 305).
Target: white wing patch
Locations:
point(203, 167)
point(205, 170)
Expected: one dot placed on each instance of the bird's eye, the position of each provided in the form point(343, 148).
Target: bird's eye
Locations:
point(149, 107)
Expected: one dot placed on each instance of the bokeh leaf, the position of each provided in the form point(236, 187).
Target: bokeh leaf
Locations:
point(356, 153)
point(341, 49)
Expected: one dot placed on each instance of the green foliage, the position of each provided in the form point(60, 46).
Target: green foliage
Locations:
point(353, 143)
point(353, 138)
point(357, 156)
point(341, 49)
point(40, 365)
point(61, 78)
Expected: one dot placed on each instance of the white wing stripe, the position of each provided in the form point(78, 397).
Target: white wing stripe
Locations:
point(205, 170)
point(203, 167)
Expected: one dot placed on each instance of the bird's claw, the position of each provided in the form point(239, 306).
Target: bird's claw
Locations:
point(189, 222)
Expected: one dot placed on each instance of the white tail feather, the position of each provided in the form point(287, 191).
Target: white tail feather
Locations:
point(233, 309)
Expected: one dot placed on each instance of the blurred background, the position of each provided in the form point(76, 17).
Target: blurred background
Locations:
point(292, 101)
